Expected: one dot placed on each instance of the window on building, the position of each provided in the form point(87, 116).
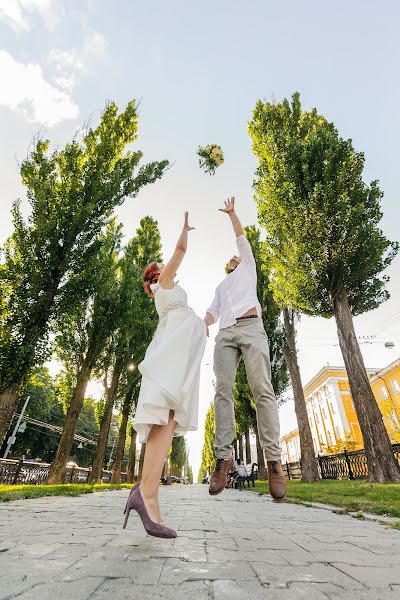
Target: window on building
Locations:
point(384, 393)
point(337, 432)
point(330, 439)
point(333, 411)
point(323, 412)
point(326, 390)
point(317, 418)
point(396, 385)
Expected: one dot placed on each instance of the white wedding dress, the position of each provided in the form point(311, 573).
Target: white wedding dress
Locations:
point(171, 367)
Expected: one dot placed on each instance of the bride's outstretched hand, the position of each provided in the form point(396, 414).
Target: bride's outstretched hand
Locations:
point(229, 205)
point(186, 225)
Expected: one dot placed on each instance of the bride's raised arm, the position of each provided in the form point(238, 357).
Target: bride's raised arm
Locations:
point(167, 276)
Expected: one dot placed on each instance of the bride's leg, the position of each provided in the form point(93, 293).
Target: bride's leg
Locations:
point(157, 447)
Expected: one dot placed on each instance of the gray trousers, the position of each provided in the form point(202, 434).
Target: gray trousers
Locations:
point(247, 338)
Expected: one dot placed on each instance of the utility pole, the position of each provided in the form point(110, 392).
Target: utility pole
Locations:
point(12, 438)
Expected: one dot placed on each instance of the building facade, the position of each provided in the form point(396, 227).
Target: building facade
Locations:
point(331, 412)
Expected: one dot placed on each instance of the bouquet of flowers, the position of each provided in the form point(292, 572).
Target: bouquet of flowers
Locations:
point(210, 157)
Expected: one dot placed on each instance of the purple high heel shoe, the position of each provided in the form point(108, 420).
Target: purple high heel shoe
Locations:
point(135, 502)
point(130, 493)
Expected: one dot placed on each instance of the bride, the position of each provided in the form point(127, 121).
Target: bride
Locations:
point(169, 393)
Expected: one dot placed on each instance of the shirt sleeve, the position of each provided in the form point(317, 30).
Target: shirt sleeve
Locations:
point(245, 251)
point(215, 308)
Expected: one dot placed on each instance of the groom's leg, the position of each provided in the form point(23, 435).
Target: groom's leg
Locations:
point(255, 350)
point(226, 360)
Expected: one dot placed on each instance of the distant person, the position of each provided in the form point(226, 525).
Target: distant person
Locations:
point(169, 393)
point(242, 334)
point(240, 468)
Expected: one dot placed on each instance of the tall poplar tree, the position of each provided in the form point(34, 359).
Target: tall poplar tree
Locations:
point(326, 249)
point(72, 192)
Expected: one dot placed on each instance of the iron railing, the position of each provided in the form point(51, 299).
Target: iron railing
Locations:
point(17, 472)
point(346, 465)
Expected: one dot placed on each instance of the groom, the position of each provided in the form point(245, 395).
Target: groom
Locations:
point(242, 334)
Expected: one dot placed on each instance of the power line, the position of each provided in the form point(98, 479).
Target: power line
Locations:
point(59, 430)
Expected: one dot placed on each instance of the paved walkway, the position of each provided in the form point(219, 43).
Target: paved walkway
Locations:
point(236, 546)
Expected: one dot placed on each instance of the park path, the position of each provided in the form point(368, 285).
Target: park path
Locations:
point(236, 546)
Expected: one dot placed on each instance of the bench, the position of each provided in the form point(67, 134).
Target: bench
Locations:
point(240, 481)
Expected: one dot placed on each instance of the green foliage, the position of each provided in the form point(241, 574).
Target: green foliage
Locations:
point(207, 453)
point(189, 472)
point(178, 454)
point(88, 427)
point(72, 192)
point(18, 492)
point(381, 499)
point(99, 411)
point(321, 218)
point(44, 405)
point(83, 326)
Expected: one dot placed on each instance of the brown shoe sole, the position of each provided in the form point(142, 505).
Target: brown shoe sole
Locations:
point(215, 493)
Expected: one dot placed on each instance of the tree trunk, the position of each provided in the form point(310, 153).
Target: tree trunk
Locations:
point(58, 466)
point(9, 400)
point(248, 449)
point(98, 460)
point(130, 471)
point(382, 466)
point(309, 468)
point(262, 472)
point(119, 454)
point(235, 448)
point(240, 438)
point(141, 461)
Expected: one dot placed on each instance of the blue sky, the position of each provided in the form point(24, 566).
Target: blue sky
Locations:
point(198, 69)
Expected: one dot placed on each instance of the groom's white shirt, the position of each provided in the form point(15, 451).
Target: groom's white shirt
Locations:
point(237, 293)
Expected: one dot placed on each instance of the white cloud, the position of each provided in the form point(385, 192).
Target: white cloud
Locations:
point(66, 82)
point(17, 13)
point(95, 44)
point(25, 90)
point(70, 63)
point(66, 59)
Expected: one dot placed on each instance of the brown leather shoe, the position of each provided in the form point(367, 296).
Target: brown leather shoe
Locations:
point(276, 480)
point(219, 477)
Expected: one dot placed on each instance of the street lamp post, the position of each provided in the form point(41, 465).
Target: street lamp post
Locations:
point(12, 438)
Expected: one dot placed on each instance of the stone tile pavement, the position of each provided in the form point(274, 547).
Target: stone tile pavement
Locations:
point(234, 546)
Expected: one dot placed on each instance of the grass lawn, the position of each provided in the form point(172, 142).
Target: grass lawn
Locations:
point(17, 492)
point(377, 498)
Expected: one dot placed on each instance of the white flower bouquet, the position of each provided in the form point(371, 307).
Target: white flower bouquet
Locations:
point(210, 157)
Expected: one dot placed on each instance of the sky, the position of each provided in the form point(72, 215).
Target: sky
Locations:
point(198, 70)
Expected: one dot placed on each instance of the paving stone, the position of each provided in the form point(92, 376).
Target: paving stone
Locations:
point(145, 571)
point(80, 589)
point(176, 571)
point(123, 589)
point(221, 555)
point(371, 576)
point(238, 545)
point(278, 576)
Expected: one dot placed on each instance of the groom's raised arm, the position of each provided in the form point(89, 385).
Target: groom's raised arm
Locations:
point(242, 242)
point(230, 210)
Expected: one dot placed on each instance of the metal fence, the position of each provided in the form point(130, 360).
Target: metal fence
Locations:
point(16, 472)
point(347, 465)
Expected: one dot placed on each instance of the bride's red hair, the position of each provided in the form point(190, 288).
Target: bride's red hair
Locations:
point(150, 275)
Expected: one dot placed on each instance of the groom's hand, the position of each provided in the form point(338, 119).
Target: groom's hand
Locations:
point(230, 210)
point(229, 206)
